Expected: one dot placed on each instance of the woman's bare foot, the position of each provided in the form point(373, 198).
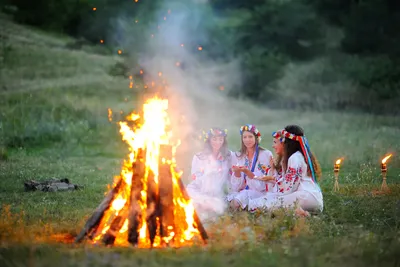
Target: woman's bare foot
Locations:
point(302, 213)
point(234, 205)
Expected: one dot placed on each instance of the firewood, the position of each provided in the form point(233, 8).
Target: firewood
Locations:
point(135, 212)
point(116, 225)
point(166, 203)
point(51, 185)
point(152, 207)
point(95, 219)
point(199, 225)
point(160, 217)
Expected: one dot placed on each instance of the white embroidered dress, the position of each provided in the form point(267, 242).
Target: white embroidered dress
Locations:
point(210, 178)
point(244, 188)
point(295, 185)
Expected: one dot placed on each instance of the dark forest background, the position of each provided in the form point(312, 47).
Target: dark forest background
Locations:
point(317, 54)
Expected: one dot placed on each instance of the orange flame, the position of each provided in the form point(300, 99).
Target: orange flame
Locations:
point(149, 133)
point(338, 161)
point(386, 158)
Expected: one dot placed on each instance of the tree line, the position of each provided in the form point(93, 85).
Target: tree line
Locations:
point(337, 54)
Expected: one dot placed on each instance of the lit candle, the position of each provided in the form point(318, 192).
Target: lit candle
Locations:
point(336, 169)
point(384, 172)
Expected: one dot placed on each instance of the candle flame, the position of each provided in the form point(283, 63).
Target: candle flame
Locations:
point(386, 158)
point(338, 161)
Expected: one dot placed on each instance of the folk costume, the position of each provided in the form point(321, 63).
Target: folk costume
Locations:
point(297, 184)
point(210, 176)
point(243, 188)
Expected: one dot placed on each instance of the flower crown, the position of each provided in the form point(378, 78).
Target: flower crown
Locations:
point(251, 128)
point(214, 132)
point(282, 134)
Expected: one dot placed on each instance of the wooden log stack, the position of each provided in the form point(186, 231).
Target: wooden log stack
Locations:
point(159, 200)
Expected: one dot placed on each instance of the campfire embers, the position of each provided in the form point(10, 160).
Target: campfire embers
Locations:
point(148, 206)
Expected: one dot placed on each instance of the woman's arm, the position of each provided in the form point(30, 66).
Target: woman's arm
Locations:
point(197, 169)
point(237, 177)
point(290, 181)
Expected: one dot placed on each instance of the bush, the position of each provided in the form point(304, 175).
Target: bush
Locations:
point(377, 80)
point(267, 35)
point(314, 85)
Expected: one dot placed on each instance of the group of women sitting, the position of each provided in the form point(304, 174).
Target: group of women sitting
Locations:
point(251, 178)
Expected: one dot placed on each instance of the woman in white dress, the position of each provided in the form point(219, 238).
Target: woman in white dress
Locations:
point(210, 175)
point(250, 164)
point(296, 174)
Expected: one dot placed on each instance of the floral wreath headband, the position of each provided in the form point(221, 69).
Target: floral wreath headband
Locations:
point(282, 134)
point(251, 128)
point(214, 132)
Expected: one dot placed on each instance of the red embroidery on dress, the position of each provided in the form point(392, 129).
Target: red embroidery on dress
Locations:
point(291, 178)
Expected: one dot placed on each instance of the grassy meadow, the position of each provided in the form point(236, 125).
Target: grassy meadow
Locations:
point(53, 123)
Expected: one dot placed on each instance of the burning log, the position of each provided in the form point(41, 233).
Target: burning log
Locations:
point(135, 211)
point(199, 225)
point(116, 225)
point(153, 210)
point(98, 214)
point(166, 201)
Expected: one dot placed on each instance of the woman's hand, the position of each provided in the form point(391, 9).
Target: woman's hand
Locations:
point(272, 164)
point(265, 178)
point(248, 173)
point(237, 170)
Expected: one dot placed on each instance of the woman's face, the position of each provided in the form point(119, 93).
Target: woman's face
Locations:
point(249, 139)
point(277, 146)
point(217, 142)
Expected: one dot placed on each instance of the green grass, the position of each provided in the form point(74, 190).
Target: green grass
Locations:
point(53, 123)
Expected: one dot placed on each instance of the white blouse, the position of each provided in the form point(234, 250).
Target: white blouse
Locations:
point(210, 175)
point(262, 168)
point(296, 177)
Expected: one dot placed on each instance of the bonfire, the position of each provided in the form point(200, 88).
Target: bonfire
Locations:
point(147, 205)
